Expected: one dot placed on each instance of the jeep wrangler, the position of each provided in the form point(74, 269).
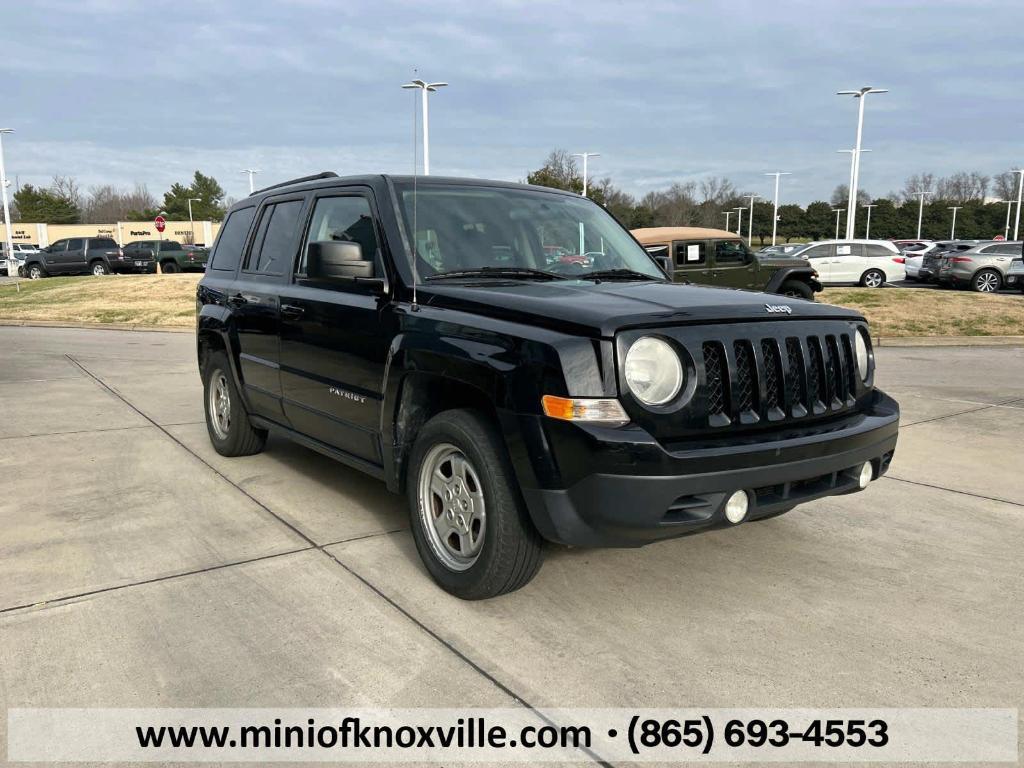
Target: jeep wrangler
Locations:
point(718, 257)
point(427, 332)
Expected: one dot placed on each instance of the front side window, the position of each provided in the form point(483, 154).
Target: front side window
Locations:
point(473, 227)
point(227, 251)
point(730, 252)
point(274, 245)
point(345, 219)
point(818, 252)
point(102, 242)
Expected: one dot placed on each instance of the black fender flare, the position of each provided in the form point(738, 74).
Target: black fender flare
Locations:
point(801, 273)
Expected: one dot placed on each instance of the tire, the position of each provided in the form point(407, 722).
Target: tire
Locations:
point(169, 267)
point(987, 281)
point(794, 289)
point(873, 278)
point(227, 423)
point(468, 458)
point(98, 269)
point(35, 272)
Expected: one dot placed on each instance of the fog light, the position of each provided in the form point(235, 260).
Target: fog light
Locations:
point(736, 507)
point(867, 474)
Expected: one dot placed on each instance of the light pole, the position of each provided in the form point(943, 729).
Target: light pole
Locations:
point(853, 163)
point(425, 88)
point(859, 94)
point(250, 171)
point(585, 156)
point(750, 226)
point(867, 232)
point(739, 220)
point(727, 214)
point(191, 224)
point(775, 210)
point(837, 212)
point(1020, 191)
point(12, 263)
point(952, 232)
point(1009, 208)
point(920, 213)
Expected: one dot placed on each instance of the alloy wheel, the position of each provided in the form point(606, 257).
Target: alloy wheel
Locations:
point(987, 282)
point(451, 507)
point(220, 405)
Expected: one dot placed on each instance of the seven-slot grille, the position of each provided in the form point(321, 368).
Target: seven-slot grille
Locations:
point(748, 381)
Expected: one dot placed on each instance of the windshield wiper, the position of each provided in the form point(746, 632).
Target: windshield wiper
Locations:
point(520, 273)
point(617, 274)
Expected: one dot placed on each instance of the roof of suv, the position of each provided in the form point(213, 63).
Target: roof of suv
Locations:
point(650, 235)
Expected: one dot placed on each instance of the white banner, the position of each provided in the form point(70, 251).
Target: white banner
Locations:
point(513, 735)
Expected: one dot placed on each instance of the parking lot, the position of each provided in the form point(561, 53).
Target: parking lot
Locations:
point(139, 568)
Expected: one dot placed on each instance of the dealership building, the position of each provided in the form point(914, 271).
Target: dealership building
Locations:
point(124, 232)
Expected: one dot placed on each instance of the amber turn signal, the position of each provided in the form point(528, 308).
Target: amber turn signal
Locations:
point(594, 410)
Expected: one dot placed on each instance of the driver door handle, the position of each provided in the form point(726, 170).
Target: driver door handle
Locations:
point(291, 312)
point(238, 300)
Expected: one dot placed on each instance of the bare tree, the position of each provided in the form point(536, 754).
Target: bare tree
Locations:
point(1004, 185)
point(962, 187)
point(106, 204)
point(916, 184)
point(717, 190)
point(67, 188)
point(841, 196)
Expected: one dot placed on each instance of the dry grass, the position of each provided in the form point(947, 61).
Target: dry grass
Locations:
point(157, 300)
point(920, 312)
point(169, 301)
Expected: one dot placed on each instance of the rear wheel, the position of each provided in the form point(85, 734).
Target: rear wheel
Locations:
point(987, 281)
point(169, 267)
point(227, 423)
point(794, 289)
point(470, 525)
point(873, 278)
point(98, 269)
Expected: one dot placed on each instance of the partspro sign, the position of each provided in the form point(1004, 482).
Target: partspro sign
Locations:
point(123, 232)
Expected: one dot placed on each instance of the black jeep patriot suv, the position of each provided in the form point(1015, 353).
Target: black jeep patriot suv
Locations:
point(418, 330)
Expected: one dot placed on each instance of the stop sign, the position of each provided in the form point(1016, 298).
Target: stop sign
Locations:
point(161, 223)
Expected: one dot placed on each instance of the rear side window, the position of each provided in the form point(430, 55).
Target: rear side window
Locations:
point(227, 251)
point(691, 254)
point(102, 242)
point(874, 250)
point(170, 245)
point(274, 246)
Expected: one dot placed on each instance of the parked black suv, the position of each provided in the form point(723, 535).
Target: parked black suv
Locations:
point(514, 399)
point(74, 256)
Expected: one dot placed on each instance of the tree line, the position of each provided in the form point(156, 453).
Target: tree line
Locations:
point(704, 203)
point(64, 202)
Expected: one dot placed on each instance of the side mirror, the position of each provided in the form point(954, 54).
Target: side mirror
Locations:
point(336, 260)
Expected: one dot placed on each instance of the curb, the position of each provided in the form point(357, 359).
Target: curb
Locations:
point(94, 326)
point(949, 341)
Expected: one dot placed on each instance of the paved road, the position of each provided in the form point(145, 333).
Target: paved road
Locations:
point(138, 568)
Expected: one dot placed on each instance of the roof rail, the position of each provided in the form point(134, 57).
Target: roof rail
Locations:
point(314, 177)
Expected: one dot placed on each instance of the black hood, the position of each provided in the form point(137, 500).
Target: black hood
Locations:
point(601, 309)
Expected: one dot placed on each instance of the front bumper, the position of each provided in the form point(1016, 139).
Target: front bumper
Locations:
point(630, 490)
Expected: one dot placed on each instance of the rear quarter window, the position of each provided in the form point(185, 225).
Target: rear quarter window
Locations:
point(102, 242)
point(227, 251)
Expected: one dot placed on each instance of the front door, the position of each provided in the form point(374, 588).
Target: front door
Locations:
point(691, 261)
point(53, 258)
point(255, 302)
point(73, 259)
point(848, 264)
point(732, 264)
point(335, 335)
point(820, 258)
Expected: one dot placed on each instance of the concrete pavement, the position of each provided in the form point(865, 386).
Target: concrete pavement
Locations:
point(139, 568)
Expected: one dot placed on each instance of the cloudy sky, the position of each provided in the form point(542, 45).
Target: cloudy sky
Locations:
point(118, 91)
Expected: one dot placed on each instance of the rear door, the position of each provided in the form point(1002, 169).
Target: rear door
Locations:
point(878, 256)
point(820, 258)
point(73, 259)
point(335, 334)
point(255, 301)
point(692, 261)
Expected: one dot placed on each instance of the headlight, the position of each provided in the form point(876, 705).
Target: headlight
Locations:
point(863, 358)
point(653, 371)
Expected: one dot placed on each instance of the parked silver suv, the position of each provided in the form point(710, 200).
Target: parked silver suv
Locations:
point(982, 268)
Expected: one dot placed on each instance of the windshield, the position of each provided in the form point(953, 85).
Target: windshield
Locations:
point(470, 227)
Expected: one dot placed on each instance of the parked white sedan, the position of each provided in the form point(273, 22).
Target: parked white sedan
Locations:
point(871, 263)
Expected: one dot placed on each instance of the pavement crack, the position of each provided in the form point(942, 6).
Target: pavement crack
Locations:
point(961, 413)
point(952, 490)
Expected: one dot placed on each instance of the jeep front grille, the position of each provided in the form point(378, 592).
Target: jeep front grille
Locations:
point(758, 382)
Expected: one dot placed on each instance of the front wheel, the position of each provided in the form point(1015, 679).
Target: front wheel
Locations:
point(470, 525)
point(987, 281)
point(794, 289)
point(36, 272)
point(99, 269)
point(873, 278)
point(227, 423)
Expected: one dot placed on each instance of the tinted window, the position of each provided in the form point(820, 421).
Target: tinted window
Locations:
point(274, 245)
point(818, 252)
point(60, 245)
point(76, 242)
point(1007, 249)
point(877, 251)
point(170, 245)
point(849, 249)
point(348, 219)
point(102, 242)
point(227, 251)
point(730, 252)
point(691, 254)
